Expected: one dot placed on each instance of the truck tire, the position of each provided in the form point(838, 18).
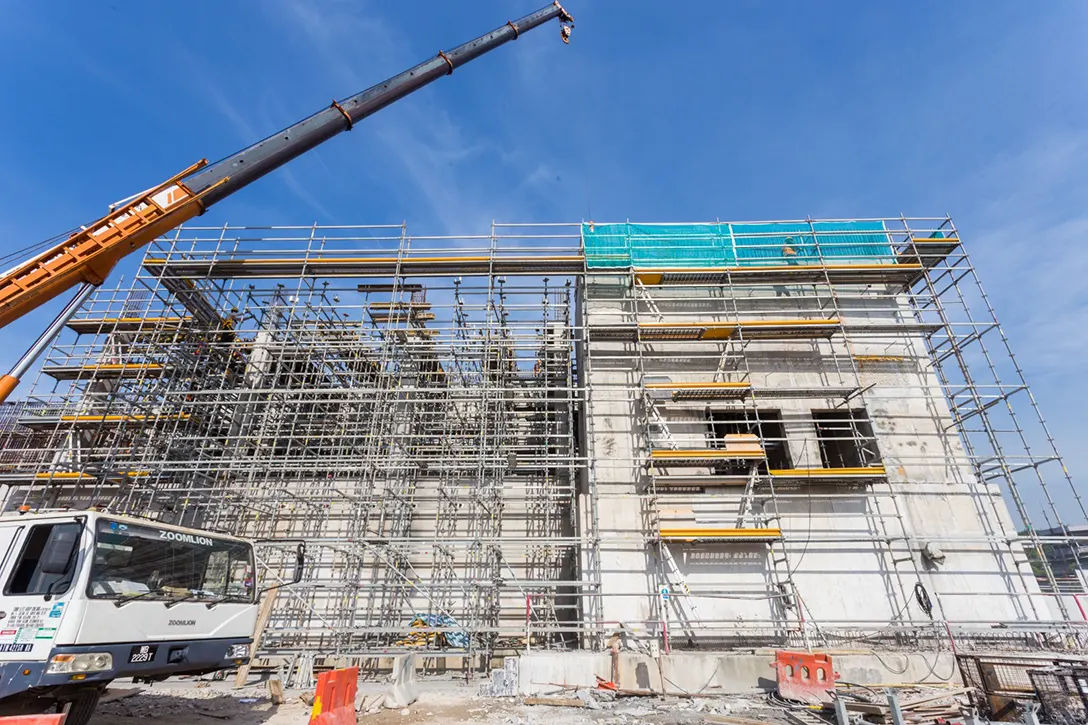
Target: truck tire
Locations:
point(80, 708)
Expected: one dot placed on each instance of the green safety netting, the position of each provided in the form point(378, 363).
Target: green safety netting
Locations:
point(729, 244)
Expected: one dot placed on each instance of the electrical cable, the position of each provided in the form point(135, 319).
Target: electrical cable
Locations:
point(808, 538)
point(891, 625)
point(889, 669)
point(21, 255)
point(922, 597)
point(702, 689)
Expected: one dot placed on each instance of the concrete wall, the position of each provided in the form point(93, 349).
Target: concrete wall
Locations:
point(721, 674)
point(852, 552)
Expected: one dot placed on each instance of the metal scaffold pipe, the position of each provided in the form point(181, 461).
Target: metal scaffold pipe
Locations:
point(9, 382)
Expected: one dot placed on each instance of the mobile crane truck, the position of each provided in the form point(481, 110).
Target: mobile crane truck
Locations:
point(89, 597)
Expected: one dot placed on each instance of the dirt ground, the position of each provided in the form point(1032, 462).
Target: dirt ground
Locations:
point(182, 706)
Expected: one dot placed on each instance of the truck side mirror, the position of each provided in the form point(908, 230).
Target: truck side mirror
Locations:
point(300, 566)
point(58, 550)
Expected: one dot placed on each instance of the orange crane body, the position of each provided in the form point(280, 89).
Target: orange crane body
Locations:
point(91, 253)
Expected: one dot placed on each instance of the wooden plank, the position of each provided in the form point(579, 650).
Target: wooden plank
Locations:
point(868, 708)
point(934, 698)
point(275, 691)
point(263, 615)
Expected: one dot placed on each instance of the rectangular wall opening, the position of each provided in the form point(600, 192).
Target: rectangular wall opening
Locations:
point(846, 438)
point(766, 424)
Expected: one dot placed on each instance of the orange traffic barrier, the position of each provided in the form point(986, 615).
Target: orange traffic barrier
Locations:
point(805, 676)
point(51, 719)
point(334, 701)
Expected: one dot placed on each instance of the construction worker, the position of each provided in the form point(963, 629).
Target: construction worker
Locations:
point(789, 255)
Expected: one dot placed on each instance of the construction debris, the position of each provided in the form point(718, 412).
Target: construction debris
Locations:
point(555, 701)
point(944, 704)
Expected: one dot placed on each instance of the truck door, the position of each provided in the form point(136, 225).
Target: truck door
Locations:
point(9, 536)
point(39, 571)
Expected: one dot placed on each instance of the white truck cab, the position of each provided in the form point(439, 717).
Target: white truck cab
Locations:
point(90, 596)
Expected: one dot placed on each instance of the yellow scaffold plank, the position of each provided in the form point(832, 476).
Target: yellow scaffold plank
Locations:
point(123, 366)
point(866, 472)
point(863, 273)
point(48, 421)
point(103, 370)
point(700, 391)
point(751, 329)
point(81, 476)
point(686, 330)
point(135, 418)
point(736, 446)
point(401, 315)
point(702, 454)
point(879, 358)
point(399, 305)
point(696, 386)
point(127, 324)
point(927, 251)
point(711, 533)
point(774, 329)
point(367, 266)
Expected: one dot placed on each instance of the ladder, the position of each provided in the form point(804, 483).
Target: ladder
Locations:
point(677, 581)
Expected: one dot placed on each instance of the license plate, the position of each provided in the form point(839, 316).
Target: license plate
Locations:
point(143, 653)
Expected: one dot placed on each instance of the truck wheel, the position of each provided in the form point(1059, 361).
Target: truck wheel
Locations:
point(80, 708)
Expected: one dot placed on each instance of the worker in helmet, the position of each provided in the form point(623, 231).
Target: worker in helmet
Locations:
point(789, 252)
point(789, 255)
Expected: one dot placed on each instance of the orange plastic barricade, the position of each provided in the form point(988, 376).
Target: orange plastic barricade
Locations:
point(51, 719)
point(334, 701)
point(805, 677)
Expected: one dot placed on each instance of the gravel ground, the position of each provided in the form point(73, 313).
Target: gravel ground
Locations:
point(182, 706)
point(443, 703)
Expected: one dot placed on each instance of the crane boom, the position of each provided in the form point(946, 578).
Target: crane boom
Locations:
point(88, 255)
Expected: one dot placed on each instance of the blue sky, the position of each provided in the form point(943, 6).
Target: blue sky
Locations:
point(657, 111)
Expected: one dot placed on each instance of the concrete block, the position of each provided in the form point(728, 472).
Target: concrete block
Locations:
point(718, 674)
point(404, 690)
point(540, 673)
point(638, 671)
point(510, 666)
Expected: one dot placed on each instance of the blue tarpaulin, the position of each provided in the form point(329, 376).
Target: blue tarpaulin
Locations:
point(456, 639)
point(729, 244)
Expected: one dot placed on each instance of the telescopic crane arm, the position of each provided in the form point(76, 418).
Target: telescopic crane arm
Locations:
point(87, 256)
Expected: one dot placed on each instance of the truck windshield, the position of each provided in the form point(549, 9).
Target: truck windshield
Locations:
point(133, 561)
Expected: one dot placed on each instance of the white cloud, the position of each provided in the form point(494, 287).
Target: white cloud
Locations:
point(427, 148)
point(218, 97)
point(1028, 238)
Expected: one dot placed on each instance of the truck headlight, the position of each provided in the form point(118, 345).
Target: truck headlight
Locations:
point(87, 662)
point(237, 651)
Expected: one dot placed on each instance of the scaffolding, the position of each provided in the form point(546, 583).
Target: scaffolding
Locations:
point(824, 431)
point(418, 436)
point(713, 434)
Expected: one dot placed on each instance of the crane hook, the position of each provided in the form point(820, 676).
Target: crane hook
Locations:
point(566, 22)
